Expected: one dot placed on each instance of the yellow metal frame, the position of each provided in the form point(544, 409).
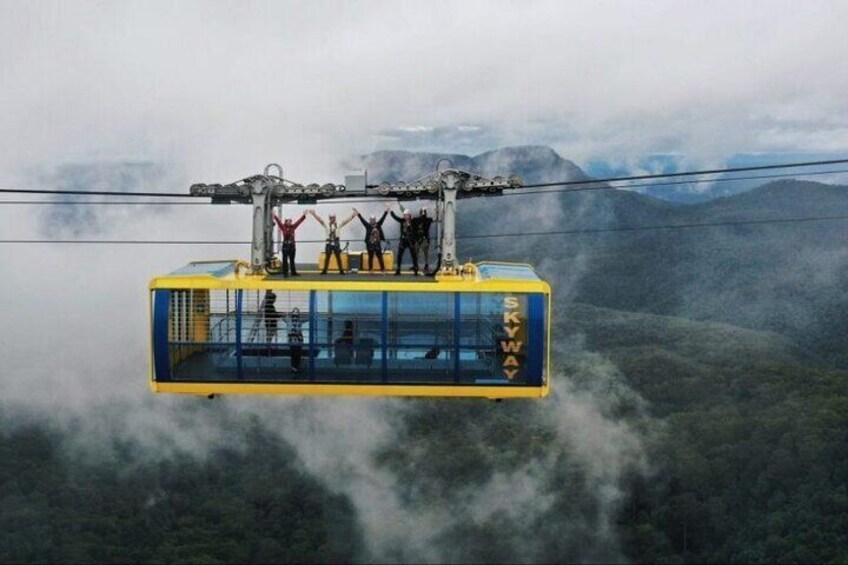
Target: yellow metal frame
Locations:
point(314, 389)
point(468, 281)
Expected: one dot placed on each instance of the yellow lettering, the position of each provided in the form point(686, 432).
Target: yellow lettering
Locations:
point(511, 302)
point(511, 361)
point(512, 325)
point(511, 346)
point(511, 331)
point(511, 318)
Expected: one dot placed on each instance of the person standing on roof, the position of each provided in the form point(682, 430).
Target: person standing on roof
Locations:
point(333, 245)
point(287, 229)
point(374, 238)
point(421, 226)
point(406, 240)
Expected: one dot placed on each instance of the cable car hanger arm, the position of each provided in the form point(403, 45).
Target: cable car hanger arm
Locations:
point(265, 191)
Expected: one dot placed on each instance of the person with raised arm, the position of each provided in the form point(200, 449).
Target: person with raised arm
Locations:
point(287, 229)
point(406, 240)
point(374, 238)
point(333, 241)
point(422, 237)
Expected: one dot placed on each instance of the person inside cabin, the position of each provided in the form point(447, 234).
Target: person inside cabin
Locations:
point(343, 348)
point(374, 238)
point(287, 229)
point(295, 334)
point(422, 237)
point(333, 245)
point(406, 240)
point(270, 315)
point(347, 333)
point(432, 353)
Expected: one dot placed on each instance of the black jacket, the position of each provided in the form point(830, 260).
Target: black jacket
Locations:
point(421, 227)
point(369, 228)
point(407, 231)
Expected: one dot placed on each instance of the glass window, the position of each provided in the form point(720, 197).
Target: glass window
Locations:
point(496, 271)
point(348, 336)
point(205, 333)
point(494, 341)
point(357, 337)
point(202, 335)
point(274, 335)
point(420, 337)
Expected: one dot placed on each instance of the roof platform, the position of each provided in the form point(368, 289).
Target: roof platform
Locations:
point(307, 273)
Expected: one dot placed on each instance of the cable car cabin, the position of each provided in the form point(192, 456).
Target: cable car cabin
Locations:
point(217, 330)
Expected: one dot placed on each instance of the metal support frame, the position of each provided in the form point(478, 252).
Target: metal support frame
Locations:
point(449, 190)
point(265, 191)
point(262, 229)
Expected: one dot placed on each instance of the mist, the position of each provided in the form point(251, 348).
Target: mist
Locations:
point(223, 88)
point(156, 96)
point(77, 358)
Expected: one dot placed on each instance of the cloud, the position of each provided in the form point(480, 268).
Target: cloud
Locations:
point(416, 511)
point(457, 137)
point(227, 87)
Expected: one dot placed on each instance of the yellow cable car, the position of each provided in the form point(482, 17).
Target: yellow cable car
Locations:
point(217, 328)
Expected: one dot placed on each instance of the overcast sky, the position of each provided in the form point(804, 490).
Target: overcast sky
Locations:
point(224, 87)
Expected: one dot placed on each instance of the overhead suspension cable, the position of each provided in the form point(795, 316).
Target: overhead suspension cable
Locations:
point(355, 200)
point(100, 203)
point(674, 183)
point(692, 225)
point(689, 173)
point(564, 183)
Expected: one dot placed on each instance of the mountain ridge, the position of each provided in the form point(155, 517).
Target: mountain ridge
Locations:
point(781, 277)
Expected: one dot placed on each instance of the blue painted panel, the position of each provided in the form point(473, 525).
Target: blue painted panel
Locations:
point(384, 337)
point(457, 317)
point(536, 337)
point(313, 326)
point(239, 299)
point(161, 353)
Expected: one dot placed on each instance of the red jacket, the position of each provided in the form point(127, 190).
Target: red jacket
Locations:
point(288, 230)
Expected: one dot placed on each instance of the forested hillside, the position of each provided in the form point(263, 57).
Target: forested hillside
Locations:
point(699, 414)
point(713, 443)
point(123, 503)
point(751, 464)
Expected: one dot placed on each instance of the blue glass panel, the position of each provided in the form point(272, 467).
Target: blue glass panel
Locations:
point(276, 335)
point(312, 325)
point(420, 338)
point(494, 338)
point(348, 336)
point(518, 272)
point(384, 333)
point(214, 268)
point(239, 309)
point(351, 337)
point(457, 330)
